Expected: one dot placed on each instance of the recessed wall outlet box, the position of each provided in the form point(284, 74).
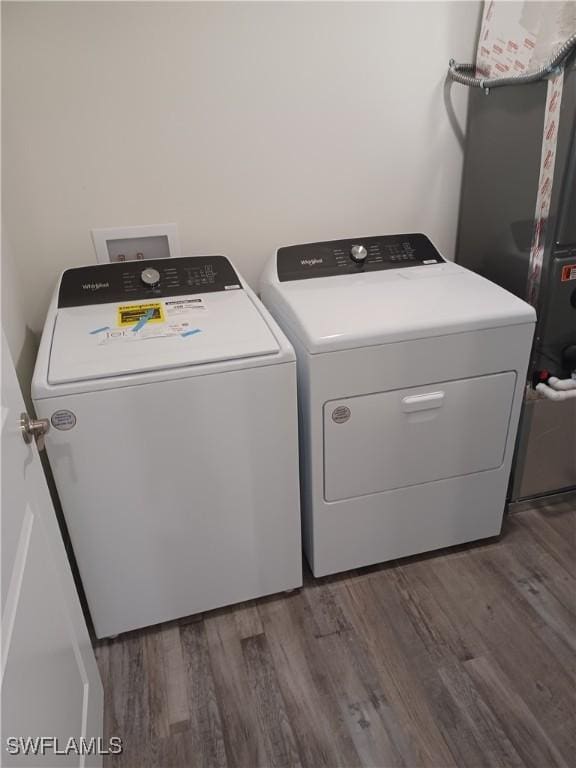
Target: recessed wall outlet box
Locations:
point(150, 241)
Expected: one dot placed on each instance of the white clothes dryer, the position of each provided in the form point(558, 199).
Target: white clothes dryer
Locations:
point(411, 371)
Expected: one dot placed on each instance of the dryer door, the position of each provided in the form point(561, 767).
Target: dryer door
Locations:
point(389, 440)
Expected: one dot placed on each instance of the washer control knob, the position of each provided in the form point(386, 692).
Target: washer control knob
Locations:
point(150, 277)
point(358, 253)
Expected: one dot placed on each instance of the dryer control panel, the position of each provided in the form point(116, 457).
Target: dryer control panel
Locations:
point(348, 257)
point(143, 280)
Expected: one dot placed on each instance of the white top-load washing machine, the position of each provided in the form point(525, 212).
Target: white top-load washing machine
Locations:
point(410, 374)
point(171, 394)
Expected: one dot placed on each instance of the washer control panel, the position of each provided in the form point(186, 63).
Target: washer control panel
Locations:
point(154, 278)
point(348, 257)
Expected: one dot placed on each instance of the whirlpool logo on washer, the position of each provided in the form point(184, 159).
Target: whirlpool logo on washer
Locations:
point(94, 286)
point(341, 414)
point(311, 262)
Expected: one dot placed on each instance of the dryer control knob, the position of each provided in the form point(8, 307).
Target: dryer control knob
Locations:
point(358, 253)
point(150, 277)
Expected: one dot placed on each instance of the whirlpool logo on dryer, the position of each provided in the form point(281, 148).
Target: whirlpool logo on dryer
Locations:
point(310, 262)
point(94, 286)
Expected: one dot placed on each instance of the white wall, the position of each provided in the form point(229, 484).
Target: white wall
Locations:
point(22, 343)
point(249, 124)
point(13, 322)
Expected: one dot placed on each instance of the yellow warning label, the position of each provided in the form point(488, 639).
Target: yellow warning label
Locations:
point(132, 313)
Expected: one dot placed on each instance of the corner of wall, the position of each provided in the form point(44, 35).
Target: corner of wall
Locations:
point(22, 341)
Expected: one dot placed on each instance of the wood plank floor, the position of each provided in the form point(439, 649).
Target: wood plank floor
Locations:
point(465, 658)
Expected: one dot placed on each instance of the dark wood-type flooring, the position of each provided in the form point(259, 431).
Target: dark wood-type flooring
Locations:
point(461, 659)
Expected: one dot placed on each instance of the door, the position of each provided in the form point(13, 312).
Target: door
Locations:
point(546, 452)
point(388, 440)
point(50, 681)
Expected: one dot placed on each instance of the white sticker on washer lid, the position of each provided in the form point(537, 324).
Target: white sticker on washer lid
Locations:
point(182, 306)
point(63, 420)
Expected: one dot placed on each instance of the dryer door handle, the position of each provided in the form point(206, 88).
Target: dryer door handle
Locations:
point(422, 402)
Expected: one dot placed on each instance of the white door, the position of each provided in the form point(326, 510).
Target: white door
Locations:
point(388, 440)
point(50, 681)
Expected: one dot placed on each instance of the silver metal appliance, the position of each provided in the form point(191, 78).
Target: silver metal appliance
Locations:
point(496, 229)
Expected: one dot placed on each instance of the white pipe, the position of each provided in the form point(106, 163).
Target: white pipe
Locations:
point(555, 394)
point(561, 384)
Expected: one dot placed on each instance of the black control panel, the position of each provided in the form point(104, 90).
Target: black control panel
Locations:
point(145, 280)
point(348, 257)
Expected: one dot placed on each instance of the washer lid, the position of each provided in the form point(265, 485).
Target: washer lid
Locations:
point(378, 307)
point(114, 338)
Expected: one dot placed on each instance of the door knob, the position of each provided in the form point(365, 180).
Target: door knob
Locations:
point(34, 428)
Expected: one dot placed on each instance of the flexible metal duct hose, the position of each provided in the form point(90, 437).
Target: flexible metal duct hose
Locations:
point(457, 71)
